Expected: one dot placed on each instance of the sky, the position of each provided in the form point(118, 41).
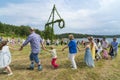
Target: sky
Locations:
point(99, 17)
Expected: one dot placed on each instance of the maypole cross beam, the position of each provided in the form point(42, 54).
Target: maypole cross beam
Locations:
point(51, 21)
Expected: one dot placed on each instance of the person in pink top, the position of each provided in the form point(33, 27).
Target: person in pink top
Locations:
point(105, 45)
point(105, 54)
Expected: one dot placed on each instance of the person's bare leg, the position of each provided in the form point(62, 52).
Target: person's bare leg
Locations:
point(9, 70)
point(38, 63)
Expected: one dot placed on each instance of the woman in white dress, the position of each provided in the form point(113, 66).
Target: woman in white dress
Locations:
point(5, 57)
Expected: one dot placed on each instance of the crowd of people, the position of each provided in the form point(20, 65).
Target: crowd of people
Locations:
point(100, 49)
point(18, 41)
point(95, 49)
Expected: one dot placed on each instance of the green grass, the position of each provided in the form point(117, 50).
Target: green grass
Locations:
point(104, 69)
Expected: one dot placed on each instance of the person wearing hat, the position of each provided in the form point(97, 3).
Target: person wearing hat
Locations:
point(35, 40)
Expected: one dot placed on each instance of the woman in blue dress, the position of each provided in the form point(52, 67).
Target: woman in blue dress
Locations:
point(88, 57)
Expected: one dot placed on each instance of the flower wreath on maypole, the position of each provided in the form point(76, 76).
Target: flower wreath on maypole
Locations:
point(52, 21)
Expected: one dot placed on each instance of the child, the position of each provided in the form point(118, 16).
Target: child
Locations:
point(5, 57)
point(54, 57)
point(13, 41)
point(105, 54)
point(88, 56)
point(105, 45)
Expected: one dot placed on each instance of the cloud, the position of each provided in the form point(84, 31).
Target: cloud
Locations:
point(83, 16)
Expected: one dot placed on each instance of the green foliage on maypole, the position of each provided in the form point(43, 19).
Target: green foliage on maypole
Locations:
point(49, 32)
point(49, 26)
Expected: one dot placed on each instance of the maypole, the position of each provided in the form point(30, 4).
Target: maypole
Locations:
point(51, 21)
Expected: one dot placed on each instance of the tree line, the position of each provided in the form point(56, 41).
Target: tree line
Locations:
point(23, 31)
point(8, 30)
point(77, 35)
point(16, 31)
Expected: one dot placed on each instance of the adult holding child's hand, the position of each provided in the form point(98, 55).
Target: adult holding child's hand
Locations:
point(35, 40)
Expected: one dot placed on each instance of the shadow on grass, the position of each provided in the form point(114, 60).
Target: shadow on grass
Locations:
point(67, 64)
point(19, 67)
point(81, 64)
point(2, 72)
point(48, 67)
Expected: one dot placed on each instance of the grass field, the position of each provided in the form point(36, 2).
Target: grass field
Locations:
point(104, 69)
